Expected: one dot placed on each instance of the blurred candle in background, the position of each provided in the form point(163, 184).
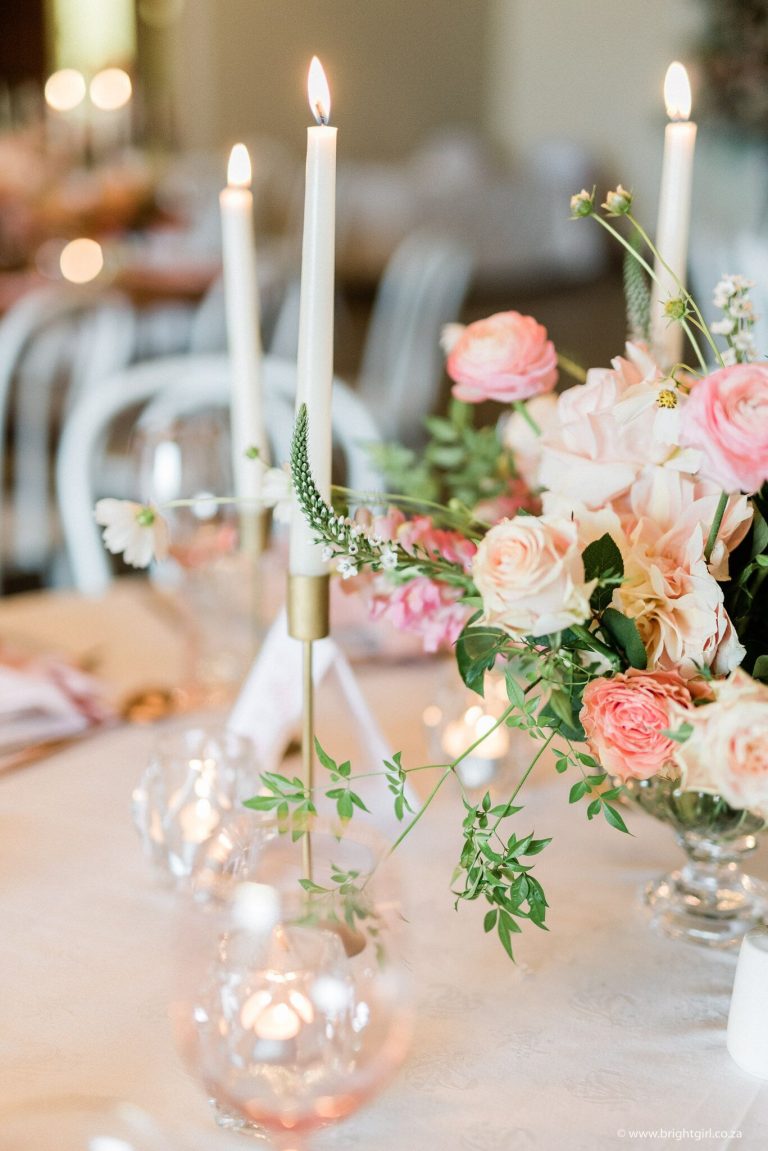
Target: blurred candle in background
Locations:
point(674, 214)
point(65, 113)
point(109, 119)
point(315, 363)
point(243, 324)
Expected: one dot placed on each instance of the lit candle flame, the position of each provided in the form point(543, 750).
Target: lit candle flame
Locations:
point(677, 92)
point(64, 90)
point(239, 167)
point(110, 89)
point(318, 92)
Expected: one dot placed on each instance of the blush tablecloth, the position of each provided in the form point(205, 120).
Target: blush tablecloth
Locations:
point(603, 1036)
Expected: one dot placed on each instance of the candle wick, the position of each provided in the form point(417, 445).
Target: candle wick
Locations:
point(320, 115)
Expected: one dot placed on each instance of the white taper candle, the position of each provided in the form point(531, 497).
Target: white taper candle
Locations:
point(315, 362)
point(674, 214)
point(241, 294)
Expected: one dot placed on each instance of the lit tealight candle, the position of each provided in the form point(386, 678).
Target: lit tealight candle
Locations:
point(674, 214)
point(241, 294)
point(315, 362)
point(479, 767)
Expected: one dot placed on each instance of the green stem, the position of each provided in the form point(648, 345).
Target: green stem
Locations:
point(375, 498)
point(420, 812)
point(716, 522)
point(572, 368)
point(522, 410)
point(594, 643)
point(683, 290)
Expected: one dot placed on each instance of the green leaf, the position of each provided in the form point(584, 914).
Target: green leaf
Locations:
point(594, 808)
point(613, 817)
point(325, 759)
point(476, 652)
point(578, 791)
point(489, 922)
point(623, 631)
point(560, 703)
point(760, 670)
point(602, 559)
point(344, 806)
point(680, 734)
point(536, 846)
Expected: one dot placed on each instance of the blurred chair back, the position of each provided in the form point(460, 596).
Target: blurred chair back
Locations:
point(170, 388)
point(55, 336)
point(423, 288)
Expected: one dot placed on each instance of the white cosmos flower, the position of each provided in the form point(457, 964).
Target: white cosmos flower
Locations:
point(137, 531)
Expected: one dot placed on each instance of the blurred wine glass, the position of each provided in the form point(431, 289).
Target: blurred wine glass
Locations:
point(209, 579)
point(294, 1006)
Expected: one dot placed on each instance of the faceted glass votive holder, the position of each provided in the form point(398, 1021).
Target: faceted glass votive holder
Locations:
point(194, 780)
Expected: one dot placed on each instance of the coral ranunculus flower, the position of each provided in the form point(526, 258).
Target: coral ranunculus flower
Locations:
point(506, 358)
point(726, 418)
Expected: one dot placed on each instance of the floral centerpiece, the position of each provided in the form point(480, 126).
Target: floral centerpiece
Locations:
point(609, 559)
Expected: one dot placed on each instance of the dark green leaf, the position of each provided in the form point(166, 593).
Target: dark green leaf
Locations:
point(623, 631)
point(602, 561)
point(489, 922)
point(613, 817)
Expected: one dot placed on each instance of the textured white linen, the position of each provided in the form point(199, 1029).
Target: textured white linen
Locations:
point(602, 1028)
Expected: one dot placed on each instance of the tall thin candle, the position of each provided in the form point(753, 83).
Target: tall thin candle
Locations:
point(315, 361)
point(674, 214)
point(241, 293)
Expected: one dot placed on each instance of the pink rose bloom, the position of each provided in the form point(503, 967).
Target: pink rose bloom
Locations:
point(625, 718)
point(506, 357)
point(726, 419)
point(610, 429)
point(530, 575)
point(523, 442)
point(727, 751)
point(423, 607)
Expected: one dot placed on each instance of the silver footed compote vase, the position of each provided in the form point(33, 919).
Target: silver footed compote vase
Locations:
point(710, 899)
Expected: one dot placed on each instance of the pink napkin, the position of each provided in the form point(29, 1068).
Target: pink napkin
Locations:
point(45, 699)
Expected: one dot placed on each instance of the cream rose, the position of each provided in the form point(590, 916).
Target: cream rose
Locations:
point(530, 575)
point(727, 751)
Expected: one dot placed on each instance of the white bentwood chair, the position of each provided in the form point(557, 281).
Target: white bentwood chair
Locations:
point(175, 386)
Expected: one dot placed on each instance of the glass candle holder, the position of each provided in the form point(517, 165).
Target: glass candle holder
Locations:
point(293, 1005)
point(194, 780)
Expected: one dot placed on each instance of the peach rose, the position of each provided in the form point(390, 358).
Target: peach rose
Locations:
point(625, 718)
point(727, 751)
point(726, 419)
point(530, 575)
point(506, 357)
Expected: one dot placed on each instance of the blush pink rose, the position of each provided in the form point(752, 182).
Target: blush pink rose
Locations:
point(726, 419)
point(727, 750)
point(625, 718)
point(530, 574)
point(506, 357)
point(420, 606)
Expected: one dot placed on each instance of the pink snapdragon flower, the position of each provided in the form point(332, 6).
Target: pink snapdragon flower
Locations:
point(422, 606)
point(506, 357)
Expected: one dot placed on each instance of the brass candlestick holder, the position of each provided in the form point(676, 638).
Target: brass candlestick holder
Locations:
point(308, 620)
